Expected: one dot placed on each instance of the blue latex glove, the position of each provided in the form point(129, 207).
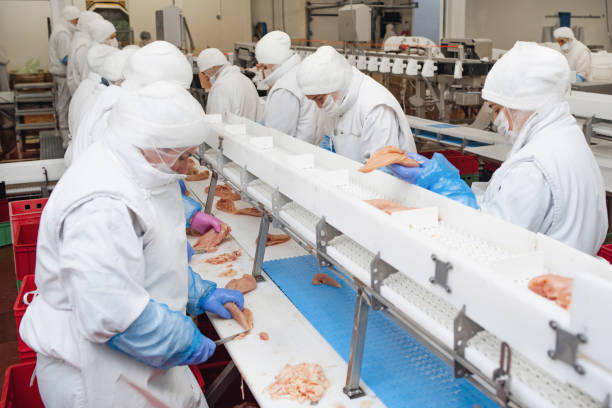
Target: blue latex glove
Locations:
point(190, 252)
point(410, 174)
point(65, 60)
point(182, 186)
point(198, 290)
point(163, 338)
point(191, 207)
point(441, 177)
point(214, 303)
point(580, 78)
point(326, 144)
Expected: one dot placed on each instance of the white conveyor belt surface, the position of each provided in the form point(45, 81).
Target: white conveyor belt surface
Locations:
point(293, 340)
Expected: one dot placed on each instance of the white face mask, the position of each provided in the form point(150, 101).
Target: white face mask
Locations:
point(112, 42)
point(565, 47)
point(503, 126)
point(330, 106)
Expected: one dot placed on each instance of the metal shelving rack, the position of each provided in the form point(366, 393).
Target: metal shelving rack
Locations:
point(31, 100)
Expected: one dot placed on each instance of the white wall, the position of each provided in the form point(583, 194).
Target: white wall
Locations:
point(506, 22)
point(271, 12)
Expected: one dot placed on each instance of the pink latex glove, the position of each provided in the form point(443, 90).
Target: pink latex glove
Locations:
point(202, 222)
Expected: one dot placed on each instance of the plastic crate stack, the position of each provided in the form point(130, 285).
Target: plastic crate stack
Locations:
point(467, 165)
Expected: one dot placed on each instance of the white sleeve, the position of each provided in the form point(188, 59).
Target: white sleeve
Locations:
point(583, 64)
point(380, 129)
point(524, 198)
point(102, 267)
point(282, 112)
point(220, 101)
point(62, 45)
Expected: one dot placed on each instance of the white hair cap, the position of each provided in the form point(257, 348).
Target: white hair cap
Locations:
point(100, 30)
point(160, 115)
point(564, 32)
point(157, 61)
point(273, 48)
point(85, 20)
point(115, 63)
point(210, 57)
point(97, 56)
point(69, 13)
point(527, 77)
point(323, 72)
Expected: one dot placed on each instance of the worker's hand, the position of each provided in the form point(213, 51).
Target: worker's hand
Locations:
point(409, 174)
point(201, 349)
point(214, 303)
point(202, 222)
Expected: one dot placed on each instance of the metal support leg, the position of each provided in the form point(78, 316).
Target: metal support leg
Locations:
point(211, 192)
point(260, 250)
point(218, 387)
point(360, 323)
point(464, 329)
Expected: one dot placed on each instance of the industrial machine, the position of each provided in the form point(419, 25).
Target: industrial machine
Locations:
point(171, 26)
point(116, 12)
point(455, 278)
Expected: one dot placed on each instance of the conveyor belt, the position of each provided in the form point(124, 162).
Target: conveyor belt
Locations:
point(401, 371)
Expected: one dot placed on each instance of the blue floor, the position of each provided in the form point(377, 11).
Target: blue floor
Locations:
point(401, 371)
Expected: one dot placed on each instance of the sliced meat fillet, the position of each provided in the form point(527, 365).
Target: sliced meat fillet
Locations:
point(253, 212)
point(230, 273)
point(223, 191)
point(223, 258)
point(320, 278)
point(198, 176)
point(275, 239)
point(245, 284)
point(228, 206)
point(244, 317)
point(387, 206)
point(553, 287)
point(386, 156)
point(211, 240)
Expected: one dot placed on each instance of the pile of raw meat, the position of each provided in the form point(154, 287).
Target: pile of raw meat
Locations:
point(301, 382)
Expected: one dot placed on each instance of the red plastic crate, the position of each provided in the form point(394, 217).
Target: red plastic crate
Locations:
point(19, 309)
point(466, 164)
point(198, 375)
point(25, 220)
point(490, 166)
point(606, 252)
point(16, 391)
point(4, 210)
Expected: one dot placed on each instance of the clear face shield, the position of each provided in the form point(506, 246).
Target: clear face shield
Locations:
point(170, 161)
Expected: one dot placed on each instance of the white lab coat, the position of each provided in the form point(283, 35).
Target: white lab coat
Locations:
point(78, 68)
point(287, 108)
point(579, 58)
point(59, 47)
point(94, 123)
point(111, 237)
point(370, 118)
point(233, 92)
point(78, 106)
point(550, 182)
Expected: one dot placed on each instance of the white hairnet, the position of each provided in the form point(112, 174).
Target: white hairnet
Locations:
point(273, 48)
point(115, 63)
point(157, 61)
point(100, 30)
point(323, 72)
point(564, 32)
point(527, 77)
point(210, 57)
point(85, 20)
point(69, 13)
point(160, 115)
point(97, 55)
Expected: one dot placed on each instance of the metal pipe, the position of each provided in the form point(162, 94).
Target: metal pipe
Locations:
point(360, 323)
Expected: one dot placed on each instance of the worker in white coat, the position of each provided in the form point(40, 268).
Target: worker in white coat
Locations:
point(286, 109)
point(363, 115)
point(59, 50)
point(550, 182)
point(578, 55)
point(156, 61)
point(228, 89)
point(109, 325)
point(81, 41)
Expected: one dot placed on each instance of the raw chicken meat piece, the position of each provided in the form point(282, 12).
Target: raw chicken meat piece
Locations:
point(192, 166)
point(301, 382)
point(386, 156)
point(223, 258)
point(320, 278)
point(228, 206)
point(198, 176)
point(223, 191)
point(244, 317)
point(264, 336)
point(387, 206)
point(245, 284)
point(211, 240)
point(275, 239)
point(553, 287)
point(230, 273)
